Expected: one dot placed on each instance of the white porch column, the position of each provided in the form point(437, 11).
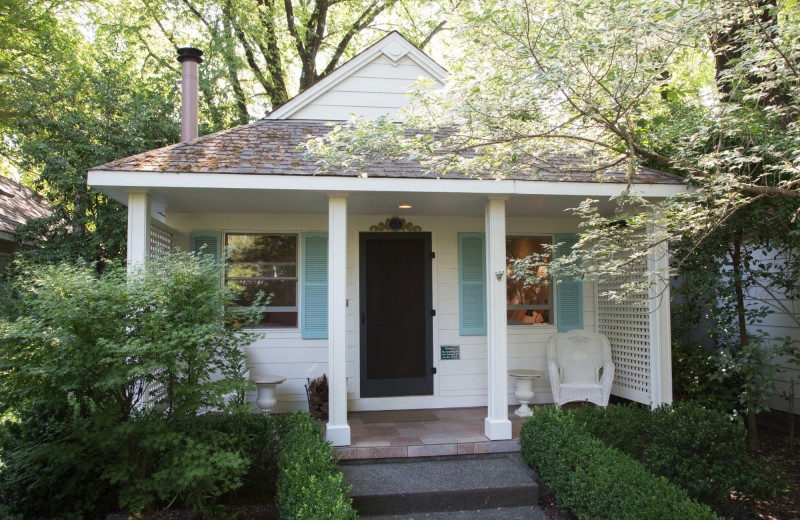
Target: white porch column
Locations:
point(496, 426)
point(337, 431)
point(660, 327)
point(138, 229)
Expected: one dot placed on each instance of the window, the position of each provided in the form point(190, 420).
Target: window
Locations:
point(527, 304)
point(268, 263)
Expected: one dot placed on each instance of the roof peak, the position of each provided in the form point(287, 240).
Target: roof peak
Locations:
point(394, 46)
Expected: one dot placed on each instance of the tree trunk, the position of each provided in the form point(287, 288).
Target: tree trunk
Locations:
point(749, 374)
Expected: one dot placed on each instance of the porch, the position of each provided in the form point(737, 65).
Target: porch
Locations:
point(469, 339)
point(424, 433)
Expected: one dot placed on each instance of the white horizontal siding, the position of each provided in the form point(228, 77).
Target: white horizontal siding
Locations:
point(780, 324)
point(377, 89)
point(458, 382)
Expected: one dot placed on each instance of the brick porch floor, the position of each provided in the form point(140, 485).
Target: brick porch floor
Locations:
point(456, 431)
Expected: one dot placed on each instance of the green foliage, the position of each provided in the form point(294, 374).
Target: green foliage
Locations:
point(699, 449)
point(310, 484)
point(744, 273)
point(59, 465)
point(50, 470)
point(695, 377)
point(594, 480)
point(84, 111)
point(626, 427)
point(139, 356)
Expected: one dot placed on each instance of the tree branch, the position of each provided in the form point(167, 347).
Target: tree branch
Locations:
point(366, 18)
point(433, 33)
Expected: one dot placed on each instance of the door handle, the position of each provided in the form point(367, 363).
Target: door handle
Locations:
point(363, 318)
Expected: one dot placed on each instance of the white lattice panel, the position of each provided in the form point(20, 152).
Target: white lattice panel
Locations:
point(161, 241)
point(627, 327)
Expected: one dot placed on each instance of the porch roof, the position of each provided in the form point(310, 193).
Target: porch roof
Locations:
point(274, 147)
point(255, 167)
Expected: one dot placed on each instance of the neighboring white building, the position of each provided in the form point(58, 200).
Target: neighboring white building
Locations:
point(402, 308)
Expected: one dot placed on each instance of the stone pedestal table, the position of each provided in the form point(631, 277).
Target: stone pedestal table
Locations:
point(524, 389)
point(265, 399)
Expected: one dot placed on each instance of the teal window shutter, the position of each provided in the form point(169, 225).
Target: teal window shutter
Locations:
point(314, 286)
point(472, 284)
point(208, 243)
point(569, 291)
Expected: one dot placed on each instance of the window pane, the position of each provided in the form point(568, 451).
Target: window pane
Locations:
point(527, 304)
point(266, 263)
point(284, 292)
point(271, 256)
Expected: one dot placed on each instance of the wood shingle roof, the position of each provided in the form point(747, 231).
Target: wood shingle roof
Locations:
point(274, 147)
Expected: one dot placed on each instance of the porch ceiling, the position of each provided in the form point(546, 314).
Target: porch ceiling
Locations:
point(173, 200)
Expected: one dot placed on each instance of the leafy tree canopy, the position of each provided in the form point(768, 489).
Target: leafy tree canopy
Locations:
point(84, 83)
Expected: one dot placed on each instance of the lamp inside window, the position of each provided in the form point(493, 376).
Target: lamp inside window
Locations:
point(528, 296)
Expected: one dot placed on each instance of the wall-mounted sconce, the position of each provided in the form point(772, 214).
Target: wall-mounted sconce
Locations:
point(499, 275)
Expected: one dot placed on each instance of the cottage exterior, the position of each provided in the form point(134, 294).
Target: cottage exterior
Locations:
point(394, 285)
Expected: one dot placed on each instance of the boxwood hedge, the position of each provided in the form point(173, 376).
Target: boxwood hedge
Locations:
point(594, 480)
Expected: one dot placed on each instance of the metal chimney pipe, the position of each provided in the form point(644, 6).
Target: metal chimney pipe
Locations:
point(189, 58)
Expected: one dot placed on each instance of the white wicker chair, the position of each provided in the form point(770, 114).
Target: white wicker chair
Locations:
point(580, 367)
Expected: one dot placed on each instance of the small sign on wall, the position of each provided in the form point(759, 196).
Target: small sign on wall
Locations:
point(450, 352)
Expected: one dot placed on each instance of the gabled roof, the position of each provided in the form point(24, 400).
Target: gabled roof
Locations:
point(274, 147)
point(18, 204)
point(393, 46)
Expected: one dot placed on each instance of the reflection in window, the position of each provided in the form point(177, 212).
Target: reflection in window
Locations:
point(527, 304)
point(265, 263)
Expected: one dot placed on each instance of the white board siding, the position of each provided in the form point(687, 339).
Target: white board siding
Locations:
point(458, 382)
point(778, 326)
point(377, 89)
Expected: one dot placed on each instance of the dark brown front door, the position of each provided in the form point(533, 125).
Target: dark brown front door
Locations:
point(396, 322)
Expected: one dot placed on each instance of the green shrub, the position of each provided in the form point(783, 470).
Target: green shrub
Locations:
point(102, 339)
point(49, 471)
point(697, 376)
point(594, 480)
point(626, 427)
point(705, 452)
point(257, 437)
point(309, 484)
point(701, 450)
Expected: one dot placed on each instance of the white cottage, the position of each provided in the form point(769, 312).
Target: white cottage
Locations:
point(393, 285)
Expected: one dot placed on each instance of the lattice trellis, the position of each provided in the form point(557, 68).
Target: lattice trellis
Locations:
point(627, 327)
point(161, 241)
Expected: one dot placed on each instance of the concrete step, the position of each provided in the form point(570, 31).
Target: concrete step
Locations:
point(452, 484)
point(501, 513)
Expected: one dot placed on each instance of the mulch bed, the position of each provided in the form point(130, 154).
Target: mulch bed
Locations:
point(241, 511)
point(775, 447)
